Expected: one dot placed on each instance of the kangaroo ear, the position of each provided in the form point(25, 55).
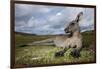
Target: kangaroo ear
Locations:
point(79, 16)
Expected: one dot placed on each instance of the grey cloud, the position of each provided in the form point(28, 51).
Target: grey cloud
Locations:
point(49, 20)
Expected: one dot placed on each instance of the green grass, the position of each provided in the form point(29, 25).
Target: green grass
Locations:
point(39, 55)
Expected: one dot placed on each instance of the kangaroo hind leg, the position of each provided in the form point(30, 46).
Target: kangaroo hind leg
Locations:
point(75, 52)
point(61, 52)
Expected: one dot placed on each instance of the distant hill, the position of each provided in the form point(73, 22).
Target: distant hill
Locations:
point(30, 34)
point(89, 32)
point(21, 33)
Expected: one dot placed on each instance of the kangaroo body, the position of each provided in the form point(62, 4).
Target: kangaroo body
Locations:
point(61, 41)
point(67, 42)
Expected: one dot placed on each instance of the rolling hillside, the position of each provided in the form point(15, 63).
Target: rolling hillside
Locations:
point(44, 55)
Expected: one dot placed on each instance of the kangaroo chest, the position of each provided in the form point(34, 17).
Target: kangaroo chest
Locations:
point(72, 42)
point(68, 42)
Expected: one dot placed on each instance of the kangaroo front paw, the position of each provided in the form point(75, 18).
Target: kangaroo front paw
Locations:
point(75, 53)
point(60, 53)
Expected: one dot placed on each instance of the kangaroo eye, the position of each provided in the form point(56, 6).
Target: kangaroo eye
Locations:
point(72, 23)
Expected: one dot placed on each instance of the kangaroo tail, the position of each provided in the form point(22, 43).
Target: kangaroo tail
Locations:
point(43, 42)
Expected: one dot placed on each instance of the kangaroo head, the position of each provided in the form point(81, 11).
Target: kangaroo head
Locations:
point(74, 25)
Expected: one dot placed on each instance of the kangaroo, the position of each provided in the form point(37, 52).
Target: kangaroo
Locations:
point(73, 40)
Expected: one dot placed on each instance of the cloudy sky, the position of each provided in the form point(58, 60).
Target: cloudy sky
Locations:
point(44, 20)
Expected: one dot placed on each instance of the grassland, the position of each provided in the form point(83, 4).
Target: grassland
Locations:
point(44, 55)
